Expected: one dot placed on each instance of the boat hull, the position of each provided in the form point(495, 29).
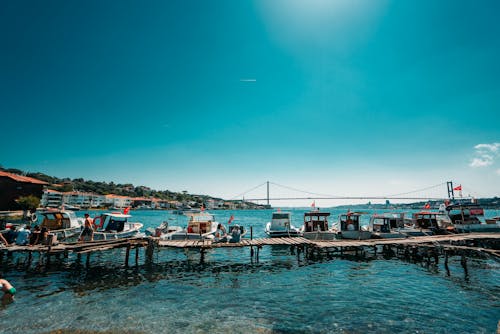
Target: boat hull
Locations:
point(320, 235)
point(357, 235)
point(282, 233)
point(468, 228)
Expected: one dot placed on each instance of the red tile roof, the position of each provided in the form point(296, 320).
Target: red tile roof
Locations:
point(20, 178)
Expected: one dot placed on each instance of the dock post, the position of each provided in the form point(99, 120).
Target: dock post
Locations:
point(202, 254)
point(136, 256)
point(30, 257)
point(446, 263)
point(127, 254)
point(251, 238)
point(88, 260)
point(463, 262)
point(150, 251)
point(48, 256)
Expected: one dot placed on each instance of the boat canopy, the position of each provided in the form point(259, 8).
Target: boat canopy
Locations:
point(316, 221)
point(281, 215)
point(57, 219)
point(347, 219)
point(114, 221)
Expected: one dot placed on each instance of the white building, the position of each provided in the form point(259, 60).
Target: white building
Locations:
point(51, 198)
point(118, 201)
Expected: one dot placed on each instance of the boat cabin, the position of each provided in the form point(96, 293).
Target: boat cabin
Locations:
point(386, 222)
point(316, 221)
point(281, 220)
point(113, 222)
point(350, 221)
point(465, 214)
point(58, 220)
point(426, 219)
point(200, 223)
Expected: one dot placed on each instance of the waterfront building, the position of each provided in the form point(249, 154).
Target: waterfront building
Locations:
point(118, 201)
point(13, 186)
point(51, 199)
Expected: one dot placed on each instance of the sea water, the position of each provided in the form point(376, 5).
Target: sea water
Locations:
point(231, 293)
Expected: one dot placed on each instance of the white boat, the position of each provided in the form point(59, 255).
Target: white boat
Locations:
point(351, 228)
point(425, 223)
point(468, 218)
point(281, 226)
point(164, 231)
point(115, 225)
point(388, 225)
point(316, 226)
point(201, 225)
point(64, 224)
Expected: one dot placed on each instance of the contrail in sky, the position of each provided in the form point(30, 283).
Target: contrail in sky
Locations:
point(248, 80)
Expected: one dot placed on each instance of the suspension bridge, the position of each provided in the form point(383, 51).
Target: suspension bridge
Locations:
point(307, 195)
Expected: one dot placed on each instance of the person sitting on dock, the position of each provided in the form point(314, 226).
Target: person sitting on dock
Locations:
point(87, 229)
point(220, 234)
point(23, 236)
point(2, 239)
point(8, 291)
point(35, 236)
point(10, 235)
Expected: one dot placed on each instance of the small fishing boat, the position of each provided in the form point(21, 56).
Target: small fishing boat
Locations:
point(115, 225)
point(469, 217)
point(316, 226)
point(201, 225)
point(64, 224)
point(388, 225)
point(280, 226)
point(351, 228)
point(164, 231)
point(425, 223)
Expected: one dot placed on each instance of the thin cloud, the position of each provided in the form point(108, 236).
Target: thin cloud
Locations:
point(485, 155)
point(248, 80)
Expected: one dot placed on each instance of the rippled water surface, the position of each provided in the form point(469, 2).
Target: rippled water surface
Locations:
point(229, 293)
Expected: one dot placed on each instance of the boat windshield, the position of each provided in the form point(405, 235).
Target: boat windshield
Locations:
point(281, 216)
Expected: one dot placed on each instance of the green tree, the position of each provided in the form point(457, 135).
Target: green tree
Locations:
point(29, 202)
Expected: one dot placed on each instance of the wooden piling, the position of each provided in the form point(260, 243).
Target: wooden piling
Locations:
point(127, 254)
point(136, 256)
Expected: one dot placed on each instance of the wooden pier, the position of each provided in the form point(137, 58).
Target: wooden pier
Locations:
point(453, 244)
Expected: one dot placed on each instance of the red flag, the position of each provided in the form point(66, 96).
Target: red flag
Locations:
point(230, 220)
point(458, 188)
point(126, 210)
point(427, 206)
point(313, 205)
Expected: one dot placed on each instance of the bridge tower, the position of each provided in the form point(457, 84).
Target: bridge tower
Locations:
point(451, 194)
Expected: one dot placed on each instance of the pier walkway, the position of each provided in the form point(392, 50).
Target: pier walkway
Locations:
point(443, 244)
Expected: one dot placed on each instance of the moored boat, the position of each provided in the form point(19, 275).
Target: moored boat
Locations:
point(469, 217)
point(388, 225)
point(115, 225)
point(351, 227)
point(164, 231)
point(64, 224)
point(316, 226)
point(281, 226)
point(201, 225)
point(427, 223)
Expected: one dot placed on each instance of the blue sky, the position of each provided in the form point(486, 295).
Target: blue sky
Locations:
point(357, 97)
